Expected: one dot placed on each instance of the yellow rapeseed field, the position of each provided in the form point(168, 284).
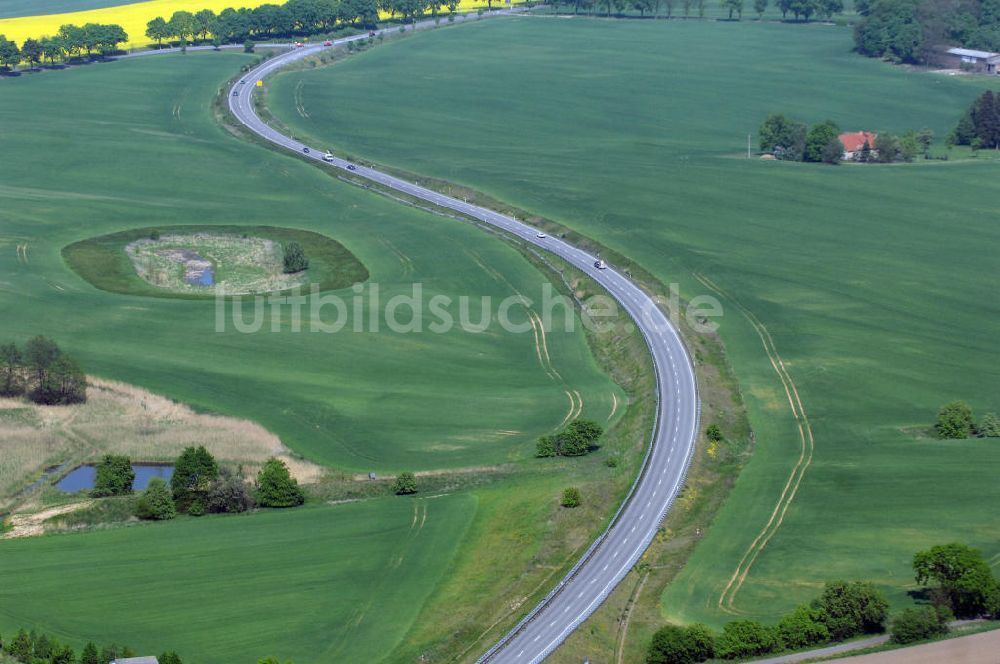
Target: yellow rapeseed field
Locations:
point(134, 17)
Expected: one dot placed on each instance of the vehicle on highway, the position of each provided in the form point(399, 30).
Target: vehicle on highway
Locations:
point(236, 93)
point(328, 43)
point(371, 34)
point(541, 235)
point(328, 157)
point(600, 264)
point(299, 44)
point(352, 167)
point(306, 150)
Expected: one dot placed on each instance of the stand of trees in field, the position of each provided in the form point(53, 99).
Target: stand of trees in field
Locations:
point(42, 372)
point(198, 486)
point(577, 439)
point(979, 128)
point(790, 140)
point(34, 648)
point(956, 421)
point(911, 30)
point(957, 580)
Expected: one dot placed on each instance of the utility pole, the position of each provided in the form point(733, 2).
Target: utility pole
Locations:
point(748, 146)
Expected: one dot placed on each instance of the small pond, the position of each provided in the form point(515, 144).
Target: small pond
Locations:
point(83, 477)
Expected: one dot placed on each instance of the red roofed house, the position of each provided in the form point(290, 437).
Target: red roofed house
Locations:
point(854, 141)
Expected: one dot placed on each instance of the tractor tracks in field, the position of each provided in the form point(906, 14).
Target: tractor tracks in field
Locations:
point(807, 446)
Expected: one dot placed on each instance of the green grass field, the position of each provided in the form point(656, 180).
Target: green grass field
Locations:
point(15, 8)
point(142, 149)
point(381, 401)
point(873, 281)
point(341, 583)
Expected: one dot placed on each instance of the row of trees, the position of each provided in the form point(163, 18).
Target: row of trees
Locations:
point(980, 126)
point(956, 420)
point(912, 30)
point(71, 41)
point(578, 438)
point(957, 580)
point(843, 610)
point(799, 9)
point(34, 648)
point(293, 18)
point(42, 372)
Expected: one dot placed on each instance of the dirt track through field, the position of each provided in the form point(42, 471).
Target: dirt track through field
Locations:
point(807, 445)
point(983, 648)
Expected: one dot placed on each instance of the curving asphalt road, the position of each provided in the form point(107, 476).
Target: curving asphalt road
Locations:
point(614, 553)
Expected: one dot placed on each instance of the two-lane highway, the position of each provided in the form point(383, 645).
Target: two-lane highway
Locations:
point(635, 525)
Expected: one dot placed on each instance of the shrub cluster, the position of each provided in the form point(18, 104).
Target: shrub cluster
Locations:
point(956, 420)
point(33, 648)
point(578, 438)
point(843, 610)
point(199, 485)
point(295, 258)
point(980, 126)
point(42, 372)
point(114, 477)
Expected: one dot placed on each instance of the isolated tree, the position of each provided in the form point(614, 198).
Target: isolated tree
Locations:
point(587, 430)
point(181, 25)
point(918, 624)
point(62, 654)
point(169, 658)
point(31, 52)
point(819, 138)
point(963, 576)
point(760, 6)
point(955, 421)
point(89, 654)
point(713, 433)
point(114, 476)
point(11, 371)
point(276, 487)
point(20, 648)
point(40, 353)
point(295, 257)
point(229, 493)
point(865, 155)
point(194, 472)
point(785, 138)
point(53, 48)
point(10, 55)
point(571, 497)
point(745, 638)
point(204, 23)
point(827, 8)
point(406, 483)
point(805, 626)
point(886, 148)
point(852, 608)
point(989, 427)
point(925, 138)
point(157, 29)
point(733, 6)
point(672, 644)
point(156, 502)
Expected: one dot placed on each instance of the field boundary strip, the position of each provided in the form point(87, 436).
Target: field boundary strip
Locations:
point(807, 446)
